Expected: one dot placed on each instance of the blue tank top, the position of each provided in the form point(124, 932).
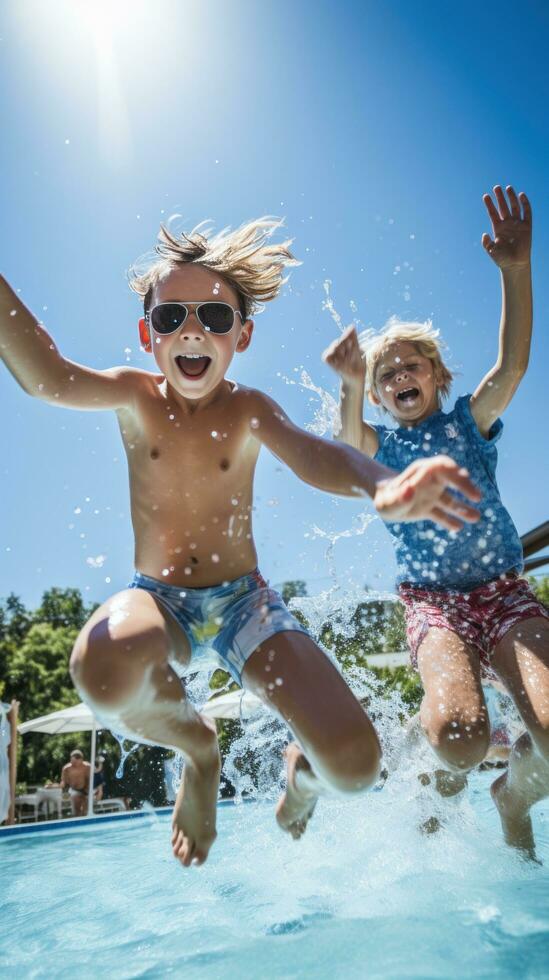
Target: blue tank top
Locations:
point(427, 555)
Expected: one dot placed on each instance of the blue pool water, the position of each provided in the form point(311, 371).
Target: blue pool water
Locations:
point(364, 894)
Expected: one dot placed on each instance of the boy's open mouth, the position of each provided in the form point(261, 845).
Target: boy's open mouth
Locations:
point(193, 365)
point(408, 395)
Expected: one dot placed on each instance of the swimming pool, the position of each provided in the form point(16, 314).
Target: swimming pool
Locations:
point(364, 894)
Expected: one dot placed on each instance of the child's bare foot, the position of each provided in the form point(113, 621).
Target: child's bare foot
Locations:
point(430, 826)
point(296, 805)
point(194, 813)
point(515, 819)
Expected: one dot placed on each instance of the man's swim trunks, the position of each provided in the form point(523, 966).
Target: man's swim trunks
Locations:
point(224, 623)
point(481, 617)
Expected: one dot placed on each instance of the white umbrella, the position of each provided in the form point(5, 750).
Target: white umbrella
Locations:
point(234, 705)
point(78, 718)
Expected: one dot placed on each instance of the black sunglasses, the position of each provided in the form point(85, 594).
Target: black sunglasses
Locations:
point(166, 318)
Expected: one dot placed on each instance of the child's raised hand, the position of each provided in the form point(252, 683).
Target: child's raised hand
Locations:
point(421, 492)
point(512, 228)
point(345, 356)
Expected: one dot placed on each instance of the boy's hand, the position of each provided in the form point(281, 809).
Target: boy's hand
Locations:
point(512, 229)
point(421, 492)
point(345, 356)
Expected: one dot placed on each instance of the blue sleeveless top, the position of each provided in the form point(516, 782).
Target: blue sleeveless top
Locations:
point(427, 555)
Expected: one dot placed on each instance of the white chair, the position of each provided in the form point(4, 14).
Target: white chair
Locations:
point(114, 805)
point(50, 799)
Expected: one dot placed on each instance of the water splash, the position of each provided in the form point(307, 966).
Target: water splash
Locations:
point(124, 753)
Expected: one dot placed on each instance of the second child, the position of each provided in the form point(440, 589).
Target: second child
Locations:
point(468, 610)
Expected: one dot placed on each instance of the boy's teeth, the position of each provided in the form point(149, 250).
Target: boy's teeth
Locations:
point(193, 365)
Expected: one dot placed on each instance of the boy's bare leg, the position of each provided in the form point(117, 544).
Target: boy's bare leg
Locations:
point(337, 747)
point(521, 660)
point(120, 666)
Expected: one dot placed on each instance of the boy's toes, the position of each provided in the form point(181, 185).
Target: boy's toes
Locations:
point(297, 829)
point(182, 849)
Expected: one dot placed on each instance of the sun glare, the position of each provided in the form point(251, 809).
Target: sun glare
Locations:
point(103, 18)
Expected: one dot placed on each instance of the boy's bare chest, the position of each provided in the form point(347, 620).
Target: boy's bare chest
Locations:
point(167, 448)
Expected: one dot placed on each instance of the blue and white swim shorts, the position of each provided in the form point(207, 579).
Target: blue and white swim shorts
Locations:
point(225, 623)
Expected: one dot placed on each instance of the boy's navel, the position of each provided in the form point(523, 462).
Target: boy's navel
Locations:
point(155, 453)
point(224, 464)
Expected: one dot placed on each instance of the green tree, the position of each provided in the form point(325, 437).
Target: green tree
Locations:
point(293, 589)
point(63, 607)
point(541, 588)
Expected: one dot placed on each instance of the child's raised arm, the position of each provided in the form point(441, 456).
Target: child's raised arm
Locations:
point(346, 358)
point(510, 250)
point(420, 492)
point(34, 361)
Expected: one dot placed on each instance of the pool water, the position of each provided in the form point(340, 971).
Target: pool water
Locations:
point(363, 894)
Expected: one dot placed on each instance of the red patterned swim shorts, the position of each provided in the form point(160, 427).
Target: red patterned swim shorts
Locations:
point(481, 617)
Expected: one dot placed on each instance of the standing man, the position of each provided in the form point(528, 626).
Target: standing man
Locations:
point(75, 777)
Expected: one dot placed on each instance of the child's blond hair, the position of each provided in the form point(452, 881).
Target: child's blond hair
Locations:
point(424, 337)
point(245, 258)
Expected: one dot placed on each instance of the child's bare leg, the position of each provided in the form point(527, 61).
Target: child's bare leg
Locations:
point(338, 748)
point(521, 660)
point(453, 712)
point(120, 666)
point(446, 783)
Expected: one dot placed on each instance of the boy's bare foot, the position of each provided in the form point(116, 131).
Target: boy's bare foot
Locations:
point(515, 819)
point(194, 813)
point(296, 805)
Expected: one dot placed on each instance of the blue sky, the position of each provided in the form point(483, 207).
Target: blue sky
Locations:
point(373, 128)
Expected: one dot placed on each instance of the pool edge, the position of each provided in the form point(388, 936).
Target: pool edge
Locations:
point(98, 820)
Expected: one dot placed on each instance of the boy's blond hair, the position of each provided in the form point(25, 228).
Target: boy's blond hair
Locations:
point(245, 258)
point(424, 337)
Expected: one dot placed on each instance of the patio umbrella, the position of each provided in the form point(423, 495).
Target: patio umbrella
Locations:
point(77, 718)
point(234, 705)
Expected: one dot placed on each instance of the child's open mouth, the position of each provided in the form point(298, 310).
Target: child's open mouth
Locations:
point(193, 365)
point(408, 395)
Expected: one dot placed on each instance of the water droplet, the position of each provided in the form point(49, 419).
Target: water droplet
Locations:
point(215, 558)
point(165, 571)
point(254, 423)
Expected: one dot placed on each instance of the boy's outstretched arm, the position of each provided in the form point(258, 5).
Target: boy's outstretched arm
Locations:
point(31, 356)
point(510, 250)
point(419, 493)
point(345, 357)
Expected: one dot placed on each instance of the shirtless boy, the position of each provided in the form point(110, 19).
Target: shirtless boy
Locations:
point(192, 439)
point(468, 610)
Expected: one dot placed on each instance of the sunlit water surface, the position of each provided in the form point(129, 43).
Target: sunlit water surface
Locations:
point(363, 894)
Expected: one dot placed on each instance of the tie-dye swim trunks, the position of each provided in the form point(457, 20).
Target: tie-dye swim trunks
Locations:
point(224, 623)
point(481, 617)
